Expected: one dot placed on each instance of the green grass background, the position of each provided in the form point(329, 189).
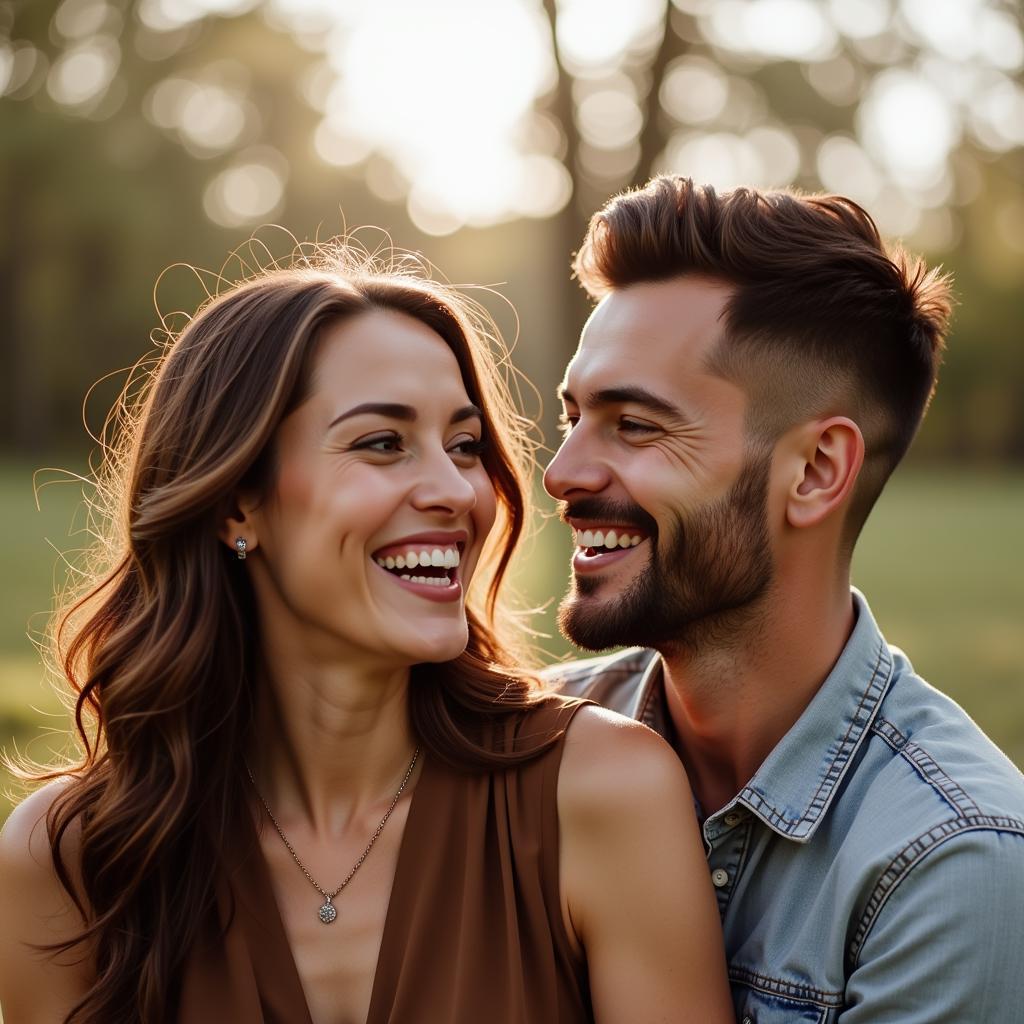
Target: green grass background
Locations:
point(940, 561)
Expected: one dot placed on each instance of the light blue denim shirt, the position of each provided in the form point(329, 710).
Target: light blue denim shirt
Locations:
point(873, 867)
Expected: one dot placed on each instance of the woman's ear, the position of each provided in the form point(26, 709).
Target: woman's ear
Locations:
point(827, 461)
point(239, 526)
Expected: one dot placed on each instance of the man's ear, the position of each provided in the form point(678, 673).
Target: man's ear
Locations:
point(240, 521)
point(826, 458)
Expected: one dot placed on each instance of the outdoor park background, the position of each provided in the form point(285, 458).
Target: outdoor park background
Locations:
point(137, 135)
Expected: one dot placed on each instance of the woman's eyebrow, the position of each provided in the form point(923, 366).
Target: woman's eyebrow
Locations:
point(405, 413)
point(389, 410)
point(467, 412)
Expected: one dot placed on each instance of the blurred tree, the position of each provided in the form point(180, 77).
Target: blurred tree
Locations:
point(136, 131)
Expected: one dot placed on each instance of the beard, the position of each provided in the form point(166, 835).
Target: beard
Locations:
point(705, 584)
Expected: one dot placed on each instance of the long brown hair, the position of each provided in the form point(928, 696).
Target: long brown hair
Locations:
point(160, 649)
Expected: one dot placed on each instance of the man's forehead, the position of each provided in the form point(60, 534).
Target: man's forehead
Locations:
point(654, 328)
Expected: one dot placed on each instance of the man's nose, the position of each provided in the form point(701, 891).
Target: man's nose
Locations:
point(574, 470)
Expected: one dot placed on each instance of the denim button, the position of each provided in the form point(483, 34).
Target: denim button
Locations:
point(719, 877)
point(733, 818)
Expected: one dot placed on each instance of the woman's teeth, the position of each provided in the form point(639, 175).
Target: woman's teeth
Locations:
point(610, 539)
point(434, 581)
point(438, 558)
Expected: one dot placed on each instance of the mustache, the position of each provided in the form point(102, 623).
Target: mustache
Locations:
point(627, 513)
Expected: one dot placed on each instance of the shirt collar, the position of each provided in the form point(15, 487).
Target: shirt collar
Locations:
point(794, 787)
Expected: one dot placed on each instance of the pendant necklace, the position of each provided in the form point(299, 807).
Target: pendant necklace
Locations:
point(328, 912)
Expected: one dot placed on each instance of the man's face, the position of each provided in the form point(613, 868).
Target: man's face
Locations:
point(666, 499)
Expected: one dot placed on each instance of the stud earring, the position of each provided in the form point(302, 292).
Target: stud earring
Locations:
point(240, 548)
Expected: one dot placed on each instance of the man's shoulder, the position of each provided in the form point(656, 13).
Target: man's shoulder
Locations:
point(942, 751)
point(613, 680)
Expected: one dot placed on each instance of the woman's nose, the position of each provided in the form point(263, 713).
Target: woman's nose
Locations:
point(445, 486)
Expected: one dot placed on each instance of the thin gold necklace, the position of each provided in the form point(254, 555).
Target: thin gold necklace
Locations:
point(328, 912)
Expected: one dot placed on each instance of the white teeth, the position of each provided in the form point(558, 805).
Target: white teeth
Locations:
point(406, 576)
point(440, 558)
point(430, 581)
point(610, 540)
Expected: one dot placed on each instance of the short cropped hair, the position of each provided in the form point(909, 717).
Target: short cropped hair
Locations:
point(823, 318)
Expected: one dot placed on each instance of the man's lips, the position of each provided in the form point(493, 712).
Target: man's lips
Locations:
point(593, 560)
point(602, 545)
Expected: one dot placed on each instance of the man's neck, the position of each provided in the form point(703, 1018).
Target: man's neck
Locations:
point(731, 705)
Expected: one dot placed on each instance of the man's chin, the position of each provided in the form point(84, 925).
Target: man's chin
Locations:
point(584, 620)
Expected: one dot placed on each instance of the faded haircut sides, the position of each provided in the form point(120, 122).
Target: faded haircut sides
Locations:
point(824, 319)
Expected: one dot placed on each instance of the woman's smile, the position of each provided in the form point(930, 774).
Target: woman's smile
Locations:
point(426, 564)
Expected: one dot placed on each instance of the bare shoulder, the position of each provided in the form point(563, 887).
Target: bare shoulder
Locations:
point(612, 765)
point(35, 984)
point(24, 844)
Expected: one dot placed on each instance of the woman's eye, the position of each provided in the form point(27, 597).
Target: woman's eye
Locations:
point(567, 422)
point(389, 442)
point(471, 446)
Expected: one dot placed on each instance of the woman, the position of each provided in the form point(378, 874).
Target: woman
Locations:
point(318, 790)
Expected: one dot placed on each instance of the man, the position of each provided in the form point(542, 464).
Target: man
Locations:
point(756, 367)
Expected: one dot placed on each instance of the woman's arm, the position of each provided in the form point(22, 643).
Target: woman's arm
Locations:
point(635, 883)
point(36, 987)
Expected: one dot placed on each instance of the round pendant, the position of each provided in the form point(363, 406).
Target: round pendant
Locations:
point(328, 913)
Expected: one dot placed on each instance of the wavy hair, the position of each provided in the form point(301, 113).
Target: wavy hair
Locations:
point(159, 650)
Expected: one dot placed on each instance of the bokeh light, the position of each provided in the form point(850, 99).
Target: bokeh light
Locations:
point(251, 189)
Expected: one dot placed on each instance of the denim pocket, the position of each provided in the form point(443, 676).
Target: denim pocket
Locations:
point(757, 1006)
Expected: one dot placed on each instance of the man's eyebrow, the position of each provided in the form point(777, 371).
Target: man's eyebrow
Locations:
point(405, 413)
point(627, 394)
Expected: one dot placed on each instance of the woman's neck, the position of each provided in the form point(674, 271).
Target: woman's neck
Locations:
point(330, 741)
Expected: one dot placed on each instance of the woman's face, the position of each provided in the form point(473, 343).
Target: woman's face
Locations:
point(380, 505)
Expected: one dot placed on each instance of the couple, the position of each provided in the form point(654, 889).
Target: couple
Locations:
point(325, 790)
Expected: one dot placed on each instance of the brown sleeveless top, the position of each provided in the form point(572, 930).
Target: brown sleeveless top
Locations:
point(474, 929)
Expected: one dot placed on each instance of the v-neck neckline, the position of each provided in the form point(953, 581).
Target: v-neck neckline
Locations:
point(280, 983)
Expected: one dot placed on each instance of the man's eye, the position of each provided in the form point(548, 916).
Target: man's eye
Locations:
point(389, 442)
point(637, 427)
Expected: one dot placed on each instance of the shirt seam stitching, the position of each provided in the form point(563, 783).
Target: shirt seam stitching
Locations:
point(928, 769)
point(902, 865)
point(779, 987)
point(843, 755)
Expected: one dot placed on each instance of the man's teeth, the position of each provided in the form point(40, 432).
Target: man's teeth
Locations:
point(438, 558)
point(609, 539)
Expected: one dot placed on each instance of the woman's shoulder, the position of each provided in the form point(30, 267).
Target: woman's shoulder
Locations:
point(28, 876)
point(614, 768)
point(24, 841)
point(37, 912)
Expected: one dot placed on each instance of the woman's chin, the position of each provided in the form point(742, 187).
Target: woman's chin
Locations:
point(435, 648)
